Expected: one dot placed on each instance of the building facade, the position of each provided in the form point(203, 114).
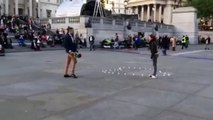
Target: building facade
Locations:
point(32, 8)
point(153, 10)
point(116, 6)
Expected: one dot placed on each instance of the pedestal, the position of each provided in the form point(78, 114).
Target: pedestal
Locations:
point(185, 21)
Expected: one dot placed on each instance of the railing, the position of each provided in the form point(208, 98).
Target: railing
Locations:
point(58, 20)
point(107, 21)
point(46, 20)
point(74, 20)
point(141, 24)
point(96, 20)
point(149, 24)
point(119, 22)
point(133, 23)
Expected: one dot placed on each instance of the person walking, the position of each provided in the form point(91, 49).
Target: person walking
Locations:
point(183, 42)
point(187, 41)
point(165, 44)
point(173, 42)
point(92, 42)
point(208, 41)
point(154, 54)
point(116, 41)
point(71, 50)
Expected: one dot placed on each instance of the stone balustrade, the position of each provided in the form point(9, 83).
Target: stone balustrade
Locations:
point(74, 19)
point(105, 21)
point(58, 20)
point(103, 28)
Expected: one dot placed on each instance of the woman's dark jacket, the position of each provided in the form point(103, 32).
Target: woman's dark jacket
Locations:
point(69, 44)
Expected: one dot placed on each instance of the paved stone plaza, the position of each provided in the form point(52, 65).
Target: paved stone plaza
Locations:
point(111, 86)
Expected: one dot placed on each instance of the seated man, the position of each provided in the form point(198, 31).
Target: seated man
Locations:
point(21, 40)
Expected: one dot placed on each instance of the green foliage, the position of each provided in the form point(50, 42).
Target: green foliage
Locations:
point(204, 7)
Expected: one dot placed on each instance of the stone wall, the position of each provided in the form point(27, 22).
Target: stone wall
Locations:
point(103, 28)
point(185, 21)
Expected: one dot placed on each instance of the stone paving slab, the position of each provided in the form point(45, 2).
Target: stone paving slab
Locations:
point(17, 110)
point(168, 115)
point(32, 87)
point(207, 92)
point(175, 86)
point(114, 110)
point(151, 97)
point(196, 106)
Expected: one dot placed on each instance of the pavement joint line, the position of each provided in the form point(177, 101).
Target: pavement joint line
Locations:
point(199, 58)
point(188, 96)
point(90, 103)
point(179, 112)
point(188, 52)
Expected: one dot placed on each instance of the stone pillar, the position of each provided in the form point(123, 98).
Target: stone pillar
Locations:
point(148, 12)
point(142, 13)
point(1, 3)
point(16, 7)
point(31, 8)
point(7, 7)
point(25, 8)
point(185, 21)
point(168, 14)
point(136, 10)
point(131, 11)
point(155, 10)
point(39, 9)
point(160, 13)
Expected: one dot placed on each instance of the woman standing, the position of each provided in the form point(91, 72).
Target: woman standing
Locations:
point(71, 49)
point(154, 53)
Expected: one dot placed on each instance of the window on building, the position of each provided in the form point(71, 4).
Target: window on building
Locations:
point(48, 13)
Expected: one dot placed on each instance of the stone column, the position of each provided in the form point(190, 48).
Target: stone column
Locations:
point(25, 8)
point(160, 13)
point(7, 7)
point(16, 7)
point(155, 10)
point(148, 12)
point(170, 14)
point(39, 9)
point(1, 3)
point(136, 10)
point(130, 11)
point(31, 8)
point(142, 13)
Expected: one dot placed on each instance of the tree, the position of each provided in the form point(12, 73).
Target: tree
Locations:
point(204, 7)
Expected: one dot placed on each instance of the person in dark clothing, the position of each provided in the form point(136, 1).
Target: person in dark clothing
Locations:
point(208, 41)
point(71, 50)
point(154, 53)
point(160, 42)
point(165, 44)
point(2, 51)
point(187, 41)
point(92, 42)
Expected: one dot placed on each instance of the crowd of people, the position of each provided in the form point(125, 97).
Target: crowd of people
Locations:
point(24, 29)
